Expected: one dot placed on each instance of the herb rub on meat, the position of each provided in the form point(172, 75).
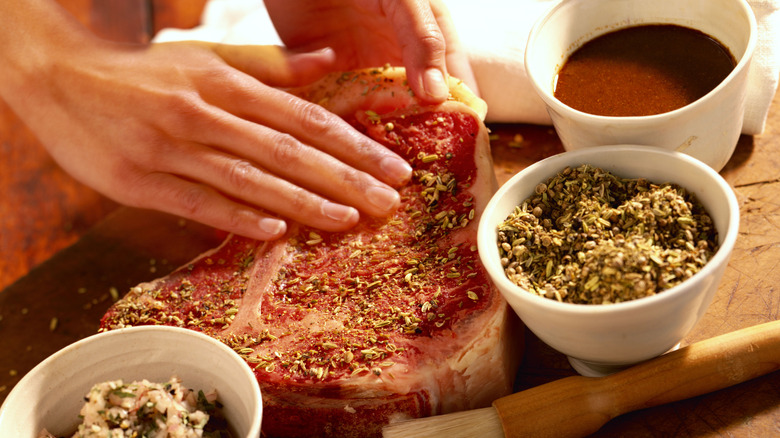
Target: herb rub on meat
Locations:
point(391, 320)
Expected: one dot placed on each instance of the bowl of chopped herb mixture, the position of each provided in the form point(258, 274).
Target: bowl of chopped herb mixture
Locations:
point(152, 381)
point(610, 254)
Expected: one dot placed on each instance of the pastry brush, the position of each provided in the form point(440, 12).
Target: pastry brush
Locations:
point(578, 406)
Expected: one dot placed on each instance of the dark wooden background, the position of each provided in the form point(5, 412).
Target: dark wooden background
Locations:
point(66, 252)
point(42, 209)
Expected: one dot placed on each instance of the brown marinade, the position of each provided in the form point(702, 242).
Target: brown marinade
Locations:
point(642, 70)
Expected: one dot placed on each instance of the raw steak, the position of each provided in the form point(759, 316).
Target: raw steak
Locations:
point(393, 319)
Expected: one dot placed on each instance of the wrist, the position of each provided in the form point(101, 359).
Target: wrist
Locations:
point(36, 36)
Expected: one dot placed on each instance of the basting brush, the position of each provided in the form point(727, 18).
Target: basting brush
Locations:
point(578, 406)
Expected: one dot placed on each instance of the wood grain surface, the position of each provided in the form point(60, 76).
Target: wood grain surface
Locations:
point(67, 252)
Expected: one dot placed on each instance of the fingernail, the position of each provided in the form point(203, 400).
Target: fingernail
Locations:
point(326, 52)
point(338, 212)
point(435, 85)
point(274, 227)
point(396, 169)
point(383, 198)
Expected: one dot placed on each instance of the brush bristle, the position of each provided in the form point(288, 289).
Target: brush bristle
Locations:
point(483, 423)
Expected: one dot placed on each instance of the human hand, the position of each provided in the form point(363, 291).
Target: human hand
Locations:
point(200, 131)
point(418, 34)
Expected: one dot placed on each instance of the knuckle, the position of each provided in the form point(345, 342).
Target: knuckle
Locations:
point(132, 198)
point(299, 202)
point(239, 174)
point(236, 220)
point(353, 178)
point(315, 120)
point(152, 149)
point(220, 72)
point(367, 150)
point(192, 200)
point(181, 103)
point(433, 43)
point(180, 110)
point(142, 184)
point(286, 150)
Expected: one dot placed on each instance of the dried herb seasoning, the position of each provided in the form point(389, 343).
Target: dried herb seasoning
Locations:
point(587, 236)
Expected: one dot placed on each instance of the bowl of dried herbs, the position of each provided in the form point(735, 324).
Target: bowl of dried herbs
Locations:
point(610, 254)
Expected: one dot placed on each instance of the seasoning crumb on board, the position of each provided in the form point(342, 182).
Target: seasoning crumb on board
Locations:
point(587, 236)
point(114, 293)
point(517, 141)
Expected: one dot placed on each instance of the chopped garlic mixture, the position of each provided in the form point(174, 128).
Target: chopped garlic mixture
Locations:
point(144, 409)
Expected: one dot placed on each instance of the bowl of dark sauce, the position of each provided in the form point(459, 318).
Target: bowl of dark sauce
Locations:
point(643, 70)
point(666, 73)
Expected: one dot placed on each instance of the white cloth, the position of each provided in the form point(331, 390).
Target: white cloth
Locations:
point(494, 33)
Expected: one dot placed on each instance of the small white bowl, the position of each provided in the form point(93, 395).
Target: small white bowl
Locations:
point(601, 339)
point(707, 129)
point(51, 394)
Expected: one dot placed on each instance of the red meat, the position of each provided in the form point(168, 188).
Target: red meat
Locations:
point(393, 319)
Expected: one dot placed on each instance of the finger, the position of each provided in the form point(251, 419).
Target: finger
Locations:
point(291, 179)
point(458, 64)
point(309, 123)
point(423, 46)
point(275, 66)
point(170, 194)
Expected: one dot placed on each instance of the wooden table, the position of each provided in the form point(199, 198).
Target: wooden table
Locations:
point(66, 252)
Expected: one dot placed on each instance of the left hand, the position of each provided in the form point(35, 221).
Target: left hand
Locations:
point(417, 34)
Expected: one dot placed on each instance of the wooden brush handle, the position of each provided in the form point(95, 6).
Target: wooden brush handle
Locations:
point(578, 406)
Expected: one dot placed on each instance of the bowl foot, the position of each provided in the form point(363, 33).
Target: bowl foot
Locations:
point(595, 369)
point(590, 369)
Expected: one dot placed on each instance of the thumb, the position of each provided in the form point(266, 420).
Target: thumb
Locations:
point(423, 46)
point(276, 66)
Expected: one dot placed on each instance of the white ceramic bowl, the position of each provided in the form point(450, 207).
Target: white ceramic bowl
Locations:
point(707, 129)
point(51, 394)
point(600, 339)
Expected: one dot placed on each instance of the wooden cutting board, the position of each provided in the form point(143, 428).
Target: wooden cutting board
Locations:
point(63, 299)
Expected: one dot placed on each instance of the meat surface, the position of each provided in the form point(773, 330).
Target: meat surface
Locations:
point(391, 320)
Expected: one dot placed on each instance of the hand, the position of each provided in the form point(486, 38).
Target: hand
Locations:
point(198, 130)
point(418, 34)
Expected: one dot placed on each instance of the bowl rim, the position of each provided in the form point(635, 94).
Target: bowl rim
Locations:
point(486, 233)
point(148, 330)
point(550, 99)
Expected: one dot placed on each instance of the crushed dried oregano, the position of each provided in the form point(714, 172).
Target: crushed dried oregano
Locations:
point(587, 236)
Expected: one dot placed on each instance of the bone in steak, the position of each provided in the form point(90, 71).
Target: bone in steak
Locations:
point(394, 319)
